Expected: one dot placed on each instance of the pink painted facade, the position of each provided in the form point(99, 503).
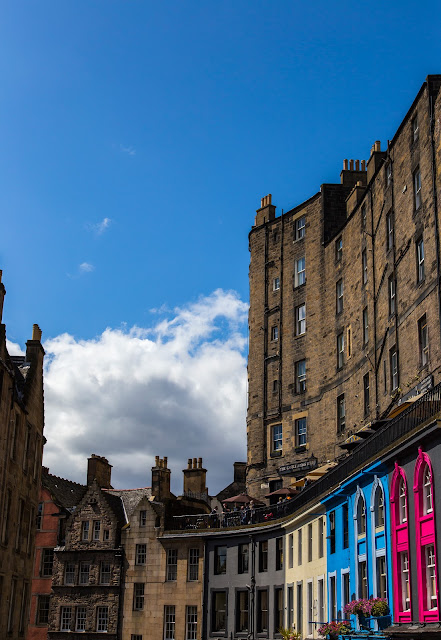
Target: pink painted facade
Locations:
point(400, 546)
point(427, 570)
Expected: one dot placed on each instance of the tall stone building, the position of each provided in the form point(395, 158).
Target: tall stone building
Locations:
point(21, 446)
point(345, 303)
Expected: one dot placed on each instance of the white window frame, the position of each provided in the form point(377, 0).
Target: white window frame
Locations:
point(83, 574)
point(420, 259)
point(276, 438)
point(80, 618)
point(364, 266)
point(96, 530)
point(300, 226)
point(339, 288)
point(300, 272)
point(138, 596)
point(417, 188)
point(105, 575)
point(141, 553)
point(191, 622)
point(102, 619)
point(300, 372)
point(340, 350)
point(301, 319)
point(301, 426)
point(65, 618)
point(276, 283)
point(170, 622)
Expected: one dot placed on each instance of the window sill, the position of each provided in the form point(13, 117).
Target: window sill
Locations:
point(301, 449)
point(275, 454)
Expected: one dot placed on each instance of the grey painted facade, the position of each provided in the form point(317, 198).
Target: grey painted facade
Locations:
point(251, 591)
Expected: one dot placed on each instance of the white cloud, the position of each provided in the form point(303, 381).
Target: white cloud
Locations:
point(131, 151)
point(14, 349)
point(99, 227)
point(86, 267)
point(177, 389)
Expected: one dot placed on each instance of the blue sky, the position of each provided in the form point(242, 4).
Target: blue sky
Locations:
point(138, 137)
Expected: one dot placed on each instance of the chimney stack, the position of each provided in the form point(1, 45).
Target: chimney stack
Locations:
point(240, 469)
point(376, 159)
point(352, 173)
point(195, 478)
point(99, 469)
point(266, 213)
point(161, 479)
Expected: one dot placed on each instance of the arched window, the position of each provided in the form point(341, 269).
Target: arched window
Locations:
point(400, 546)
point(425, 539)
point(361, 516)
point(402, 502)
point(379, 507)
point(427, 490)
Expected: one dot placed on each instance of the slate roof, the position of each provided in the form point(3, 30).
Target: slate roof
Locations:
point(130, 497)
point(66, 494)
point(115, 503)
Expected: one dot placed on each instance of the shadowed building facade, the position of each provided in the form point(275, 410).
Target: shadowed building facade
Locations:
point(21, 446)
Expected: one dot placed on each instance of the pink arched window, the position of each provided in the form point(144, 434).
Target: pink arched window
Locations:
point(425, 539)
point(400, 546)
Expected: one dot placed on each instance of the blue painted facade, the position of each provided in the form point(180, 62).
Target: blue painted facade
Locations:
point(358, 540)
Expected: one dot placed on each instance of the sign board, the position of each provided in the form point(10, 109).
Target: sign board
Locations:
point(298, 467)
point(421, 387)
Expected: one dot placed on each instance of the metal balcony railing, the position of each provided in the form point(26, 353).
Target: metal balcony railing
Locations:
point(427, 407)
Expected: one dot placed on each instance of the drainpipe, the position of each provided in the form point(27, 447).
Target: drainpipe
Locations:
point(435, 199)
point(374, 298)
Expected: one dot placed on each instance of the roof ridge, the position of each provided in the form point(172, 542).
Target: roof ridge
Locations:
point(135, 489)
point(64, 479)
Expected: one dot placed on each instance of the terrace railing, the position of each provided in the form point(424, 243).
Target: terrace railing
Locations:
point(421, 411)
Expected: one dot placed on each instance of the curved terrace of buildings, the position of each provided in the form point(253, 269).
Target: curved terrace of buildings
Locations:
point(426, 409)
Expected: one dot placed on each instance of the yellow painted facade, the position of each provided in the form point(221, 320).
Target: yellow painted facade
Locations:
point(305, 571)
point(171, 576)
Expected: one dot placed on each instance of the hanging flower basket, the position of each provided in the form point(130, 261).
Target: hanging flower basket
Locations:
point(333, 629)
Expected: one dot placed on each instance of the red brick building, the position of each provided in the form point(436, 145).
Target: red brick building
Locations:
point(58, 497)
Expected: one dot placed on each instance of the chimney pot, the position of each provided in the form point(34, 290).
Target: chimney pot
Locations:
point(269, 198)
point(357, 165)
point(36, 332)
point(377, 145)
point(165, 462)
point(345, 164)
point(195, 460)
point(363, 165)
point(189, 464)
point(351, 165)
point(262, 200)
point(199, 463)
point(156, 461)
